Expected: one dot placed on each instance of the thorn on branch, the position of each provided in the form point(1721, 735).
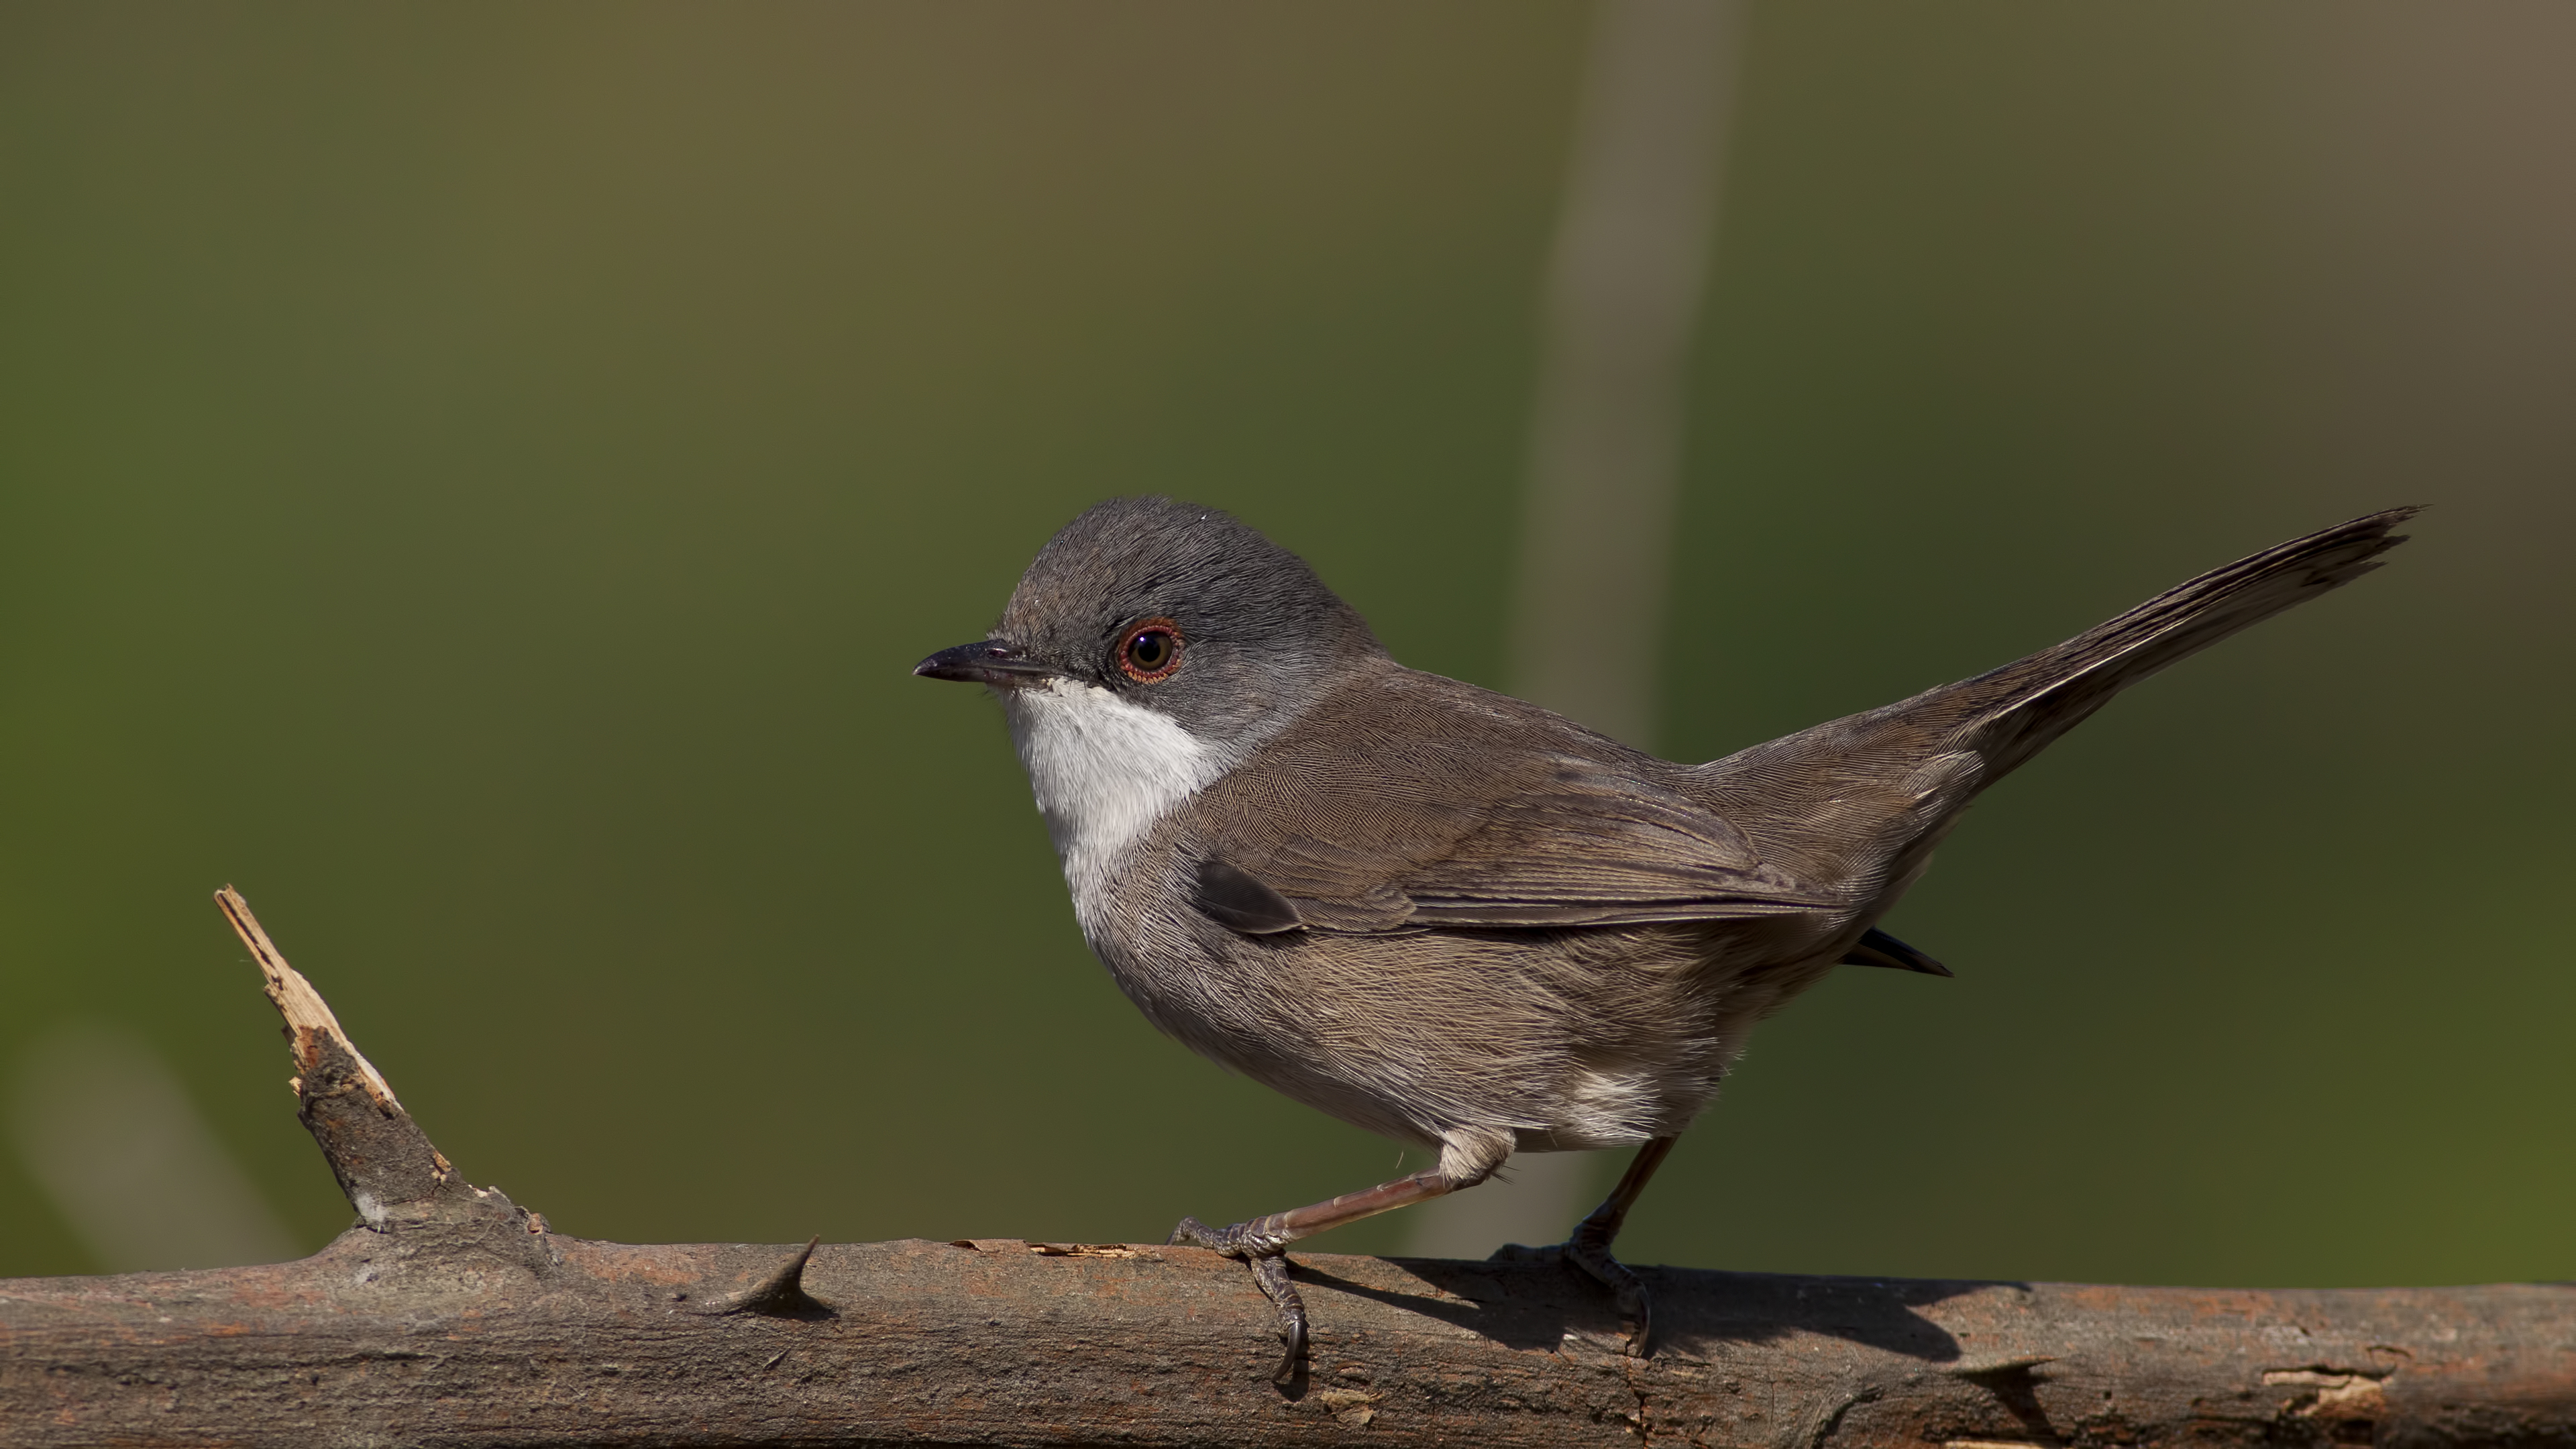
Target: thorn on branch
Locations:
point(780, 1295)
point(2019, 1367)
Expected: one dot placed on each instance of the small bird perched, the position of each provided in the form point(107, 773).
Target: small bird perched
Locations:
point(1457, 919)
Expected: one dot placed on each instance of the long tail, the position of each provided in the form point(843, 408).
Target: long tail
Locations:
point(2012, 713)
point(1858, 804)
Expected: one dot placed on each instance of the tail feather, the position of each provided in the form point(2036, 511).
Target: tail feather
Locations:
point(2028, 703)
point(1859, 803)
point(1877, 948)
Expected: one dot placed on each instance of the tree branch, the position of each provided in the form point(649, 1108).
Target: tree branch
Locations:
point(448, 1315)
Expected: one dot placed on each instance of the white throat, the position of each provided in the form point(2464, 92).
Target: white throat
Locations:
point(1103, 770)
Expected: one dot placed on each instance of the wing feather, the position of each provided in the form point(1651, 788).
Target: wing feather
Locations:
point(1430, 803)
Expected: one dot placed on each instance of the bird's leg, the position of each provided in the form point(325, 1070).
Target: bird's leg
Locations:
point(1263, 1243)
point(1467, 1156)
point(1589, 1247)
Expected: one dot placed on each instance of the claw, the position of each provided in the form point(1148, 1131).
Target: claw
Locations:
point(1636, 1305)
point(1272, 1274)
point(1588, 1248)
point(1195, 1234)
point(1262, 1246)
point(1259, 1246)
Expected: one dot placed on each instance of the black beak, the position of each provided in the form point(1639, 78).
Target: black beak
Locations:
point(990, 662)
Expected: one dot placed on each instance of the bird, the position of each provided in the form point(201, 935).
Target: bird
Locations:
point(1457, 919)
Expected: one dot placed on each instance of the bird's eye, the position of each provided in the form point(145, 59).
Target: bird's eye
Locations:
point(1150, 651)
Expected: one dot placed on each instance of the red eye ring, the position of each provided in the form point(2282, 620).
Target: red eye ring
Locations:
point(1149, 650)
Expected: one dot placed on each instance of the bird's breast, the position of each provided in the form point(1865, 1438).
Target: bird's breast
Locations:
point(1103, 770)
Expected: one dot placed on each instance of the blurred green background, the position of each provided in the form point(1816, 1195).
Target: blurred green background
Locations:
point(476, 476)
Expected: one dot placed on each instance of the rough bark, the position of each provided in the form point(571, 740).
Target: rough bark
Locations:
point(447, 1315)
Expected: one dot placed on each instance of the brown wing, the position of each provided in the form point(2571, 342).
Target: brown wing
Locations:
point(1427, 802)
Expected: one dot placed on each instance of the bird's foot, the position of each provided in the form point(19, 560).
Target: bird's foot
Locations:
point(1590, 1251)
point(1260, 1246)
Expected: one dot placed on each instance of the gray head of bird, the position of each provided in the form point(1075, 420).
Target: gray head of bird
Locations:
point(1170, 608)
